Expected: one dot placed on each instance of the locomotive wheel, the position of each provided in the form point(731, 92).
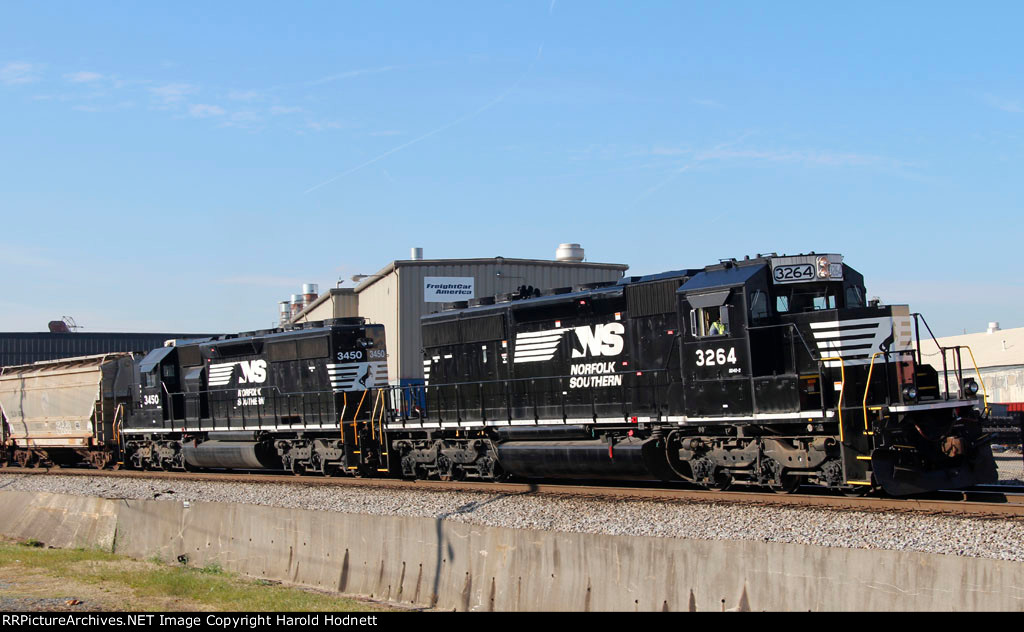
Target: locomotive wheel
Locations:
point(721, 483)
point(444, 468)
point(789, 485)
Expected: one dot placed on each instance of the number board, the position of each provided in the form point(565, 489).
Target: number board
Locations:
point(793, 273)
point(712, 362)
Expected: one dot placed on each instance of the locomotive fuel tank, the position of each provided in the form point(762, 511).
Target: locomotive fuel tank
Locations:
point(627, 459)
point(236, 455)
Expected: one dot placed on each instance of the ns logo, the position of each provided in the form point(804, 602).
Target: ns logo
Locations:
point(601, 340)
point(253, 371)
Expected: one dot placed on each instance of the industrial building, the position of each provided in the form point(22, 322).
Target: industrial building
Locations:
point(1000, 357)
point(404, 290)
point(26, 347)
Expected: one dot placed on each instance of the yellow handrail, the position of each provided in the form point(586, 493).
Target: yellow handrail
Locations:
point(341, 420)
point(867, 387)
point(380, 418)
point(984, 391)
point(842, 389)
point(373, 415)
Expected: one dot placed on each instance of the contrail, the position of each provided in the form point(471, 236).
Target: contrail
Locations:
point(465, 117)
point(648, 192)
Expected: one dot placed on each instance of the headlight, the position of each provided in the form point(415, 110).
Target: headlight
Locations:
point(971, 387)
point(910, 393)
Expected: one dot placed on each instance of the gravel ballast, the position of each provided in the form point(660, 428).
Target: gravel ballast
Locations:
point(963, 536)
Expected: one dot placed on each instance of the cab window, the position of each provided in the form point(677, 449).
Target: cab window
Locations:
point(804, 299)
point(710, 321)
point(758, 306)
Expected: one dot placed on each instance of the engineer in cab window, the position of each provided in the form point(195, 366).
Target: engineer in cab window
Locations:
point(713, 322)
point(717, 328)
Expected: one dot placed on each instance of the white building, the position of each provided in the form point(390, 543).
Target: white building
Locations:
point(999, 354)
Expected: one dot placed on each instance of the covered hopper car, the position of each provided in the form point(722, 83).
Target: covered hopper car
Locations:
point(61, 412)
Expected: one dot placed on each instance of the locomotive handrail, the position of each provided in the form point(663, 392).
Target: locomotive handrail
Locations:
point(530, 394)
point(867, 387)
point(984, 391)
point(842, 389)
point(942, 351)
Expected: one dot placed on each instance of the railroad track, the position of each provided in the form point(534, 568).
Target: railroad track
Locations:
point(992, 501)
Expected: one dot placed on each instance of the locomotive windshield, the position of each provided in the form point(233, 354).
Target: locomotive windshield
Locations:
point(807, 297)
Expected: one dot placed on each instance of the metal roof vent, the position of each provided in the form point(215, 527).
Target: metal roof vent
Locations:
point(416, 254)
point(993, 327)
point(569, 252)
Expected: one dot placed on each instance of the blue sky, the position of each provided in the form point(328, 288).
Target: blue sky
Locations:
point(185, 166)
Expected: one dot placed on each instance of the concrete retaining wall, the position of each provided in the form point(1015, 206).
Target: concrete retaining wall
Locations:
point(452, 565)
point(57, 520)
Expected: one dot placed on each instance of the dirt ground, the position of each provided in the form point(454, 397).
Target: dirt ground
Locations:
point(34, 590)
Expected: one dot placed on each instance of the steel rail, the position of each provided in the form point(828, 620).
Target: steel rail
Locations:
point(984, 503)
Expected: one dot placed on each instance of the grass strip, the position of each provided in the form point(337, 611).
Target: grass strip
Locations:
point(149, 581)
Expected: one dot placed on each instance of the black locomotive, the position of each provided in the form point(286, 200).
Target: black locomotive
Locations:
point(306, 399)
point(771, 371)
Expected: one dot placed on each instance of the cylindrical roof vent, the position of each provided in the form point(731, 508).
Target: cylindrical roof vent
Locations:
point(417, 254)
point(569, 252)
point(308, 293)
point(993, 326)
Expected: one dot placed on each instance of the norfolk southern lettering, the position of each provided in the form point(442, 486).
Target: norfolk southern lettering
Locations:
point(250, 397)
point(598, 374)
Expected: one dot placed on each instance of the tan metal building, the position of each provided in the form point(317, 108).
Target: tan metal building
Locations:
point(405, 290)
point(337, 302)
point(1000, 357)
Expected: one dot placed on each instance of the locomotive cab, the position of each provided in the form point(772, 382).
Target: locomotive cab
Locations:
point(158, 378)
point(787, 348)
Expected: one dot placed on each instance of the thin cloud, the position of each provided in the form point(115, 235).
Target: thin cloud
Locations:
point(173, 92)
point(277, 110)
point(323, 126)
point(246, 119)
point(246, 95)
point(202, 110)
point(1005, 105)
point(83, 77)
point(19, 72)
point(801, 156)
point(123, 105)
point(351, 73)
point(669, 151)
point(18, 256)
